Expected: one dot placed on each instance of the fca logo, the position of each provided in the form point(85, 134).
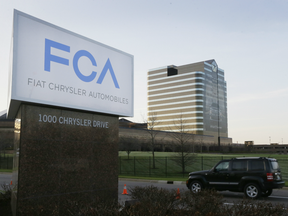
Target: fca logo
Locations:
point(53, 58)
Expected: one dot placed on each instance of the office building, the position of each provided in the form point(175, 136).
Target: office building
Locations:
point(191, 97)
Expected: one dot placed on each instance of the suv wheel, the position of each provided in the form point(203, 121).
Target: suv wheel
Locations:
point(267, 193)
point(196, 186)
point(252, 191)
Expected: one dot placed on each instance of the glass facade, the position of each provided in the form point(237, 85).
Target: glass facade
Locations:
point(194, 93)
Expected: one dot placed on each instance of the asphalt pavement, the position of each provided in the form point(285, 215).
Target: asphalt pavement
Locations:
point(5, 178)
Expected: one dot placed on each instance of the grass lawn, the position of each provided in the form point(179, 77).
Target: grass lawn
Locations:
point(6, 170)
point(6, 155)
point(220, 155)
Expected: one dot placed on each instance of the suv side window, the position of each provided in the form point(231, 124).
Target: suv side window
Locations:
point(256, 165)
point(223, 166)
point(239, 165)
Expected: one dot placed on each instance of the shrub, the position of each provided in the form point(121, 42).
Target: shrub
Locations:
point(157, 201)
point(7, 192)
point(154, 201)
point(151, 201)
point(206, 202)
point(255, 208)
point(5, 200)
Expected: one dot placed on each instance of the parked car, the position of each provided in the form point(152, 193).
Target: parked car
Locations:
point(255, 176)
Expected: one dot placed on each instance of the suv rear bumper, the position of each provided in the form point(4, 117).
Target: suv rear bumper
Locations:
point(279, 184)
point(275, 184)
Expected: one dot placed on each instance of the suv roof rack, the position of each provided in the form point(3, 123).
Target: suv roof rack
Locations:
point(239, 158)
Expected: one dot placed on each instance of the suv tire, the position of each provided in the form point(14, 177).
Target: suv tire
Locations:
point(252, 190)
point(196, 186)
point(267, 193)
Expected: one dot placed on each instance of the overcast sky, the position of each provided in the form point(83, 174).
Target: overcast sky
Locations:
point(247, 38)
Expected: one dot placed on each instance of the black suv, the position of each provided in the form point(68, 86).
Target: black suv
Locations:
point(255, 176)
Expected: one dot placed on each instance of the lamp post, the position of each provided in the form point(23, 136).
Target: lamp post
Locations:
point(269, 139)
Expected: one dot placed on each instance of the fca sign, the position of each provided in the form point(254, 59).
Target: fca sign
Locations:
point(49, 58)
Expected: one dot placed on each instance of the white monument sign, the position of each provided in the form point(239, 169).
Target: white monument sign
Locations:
point(53, 66)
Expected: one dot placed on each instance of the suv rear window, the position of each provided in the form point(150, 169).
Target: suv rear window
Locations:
point(275, 165)
point(256, 165)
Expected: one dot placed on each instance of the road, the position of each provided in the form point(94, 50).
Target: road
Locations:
point(279, 196)
point(5, 178)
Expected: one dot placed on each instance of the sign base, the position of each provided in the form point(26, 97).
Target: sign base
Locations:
point(64, 160)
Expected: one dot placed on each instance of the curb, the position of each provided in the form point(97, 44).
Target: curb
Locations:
point(154, 181)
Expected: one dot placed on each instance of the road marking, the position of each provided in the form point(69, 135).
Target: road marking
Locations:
point(278, 197)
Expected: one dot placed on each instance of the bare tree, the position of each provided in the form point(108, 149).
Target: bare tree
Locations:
point(6, 141)
point(152, 122)
point(200, 141)
point(128, 144)
point(183, 140)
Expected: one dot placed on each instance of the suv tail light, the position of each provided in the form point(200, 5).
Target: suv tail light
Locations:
point(270, 177)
